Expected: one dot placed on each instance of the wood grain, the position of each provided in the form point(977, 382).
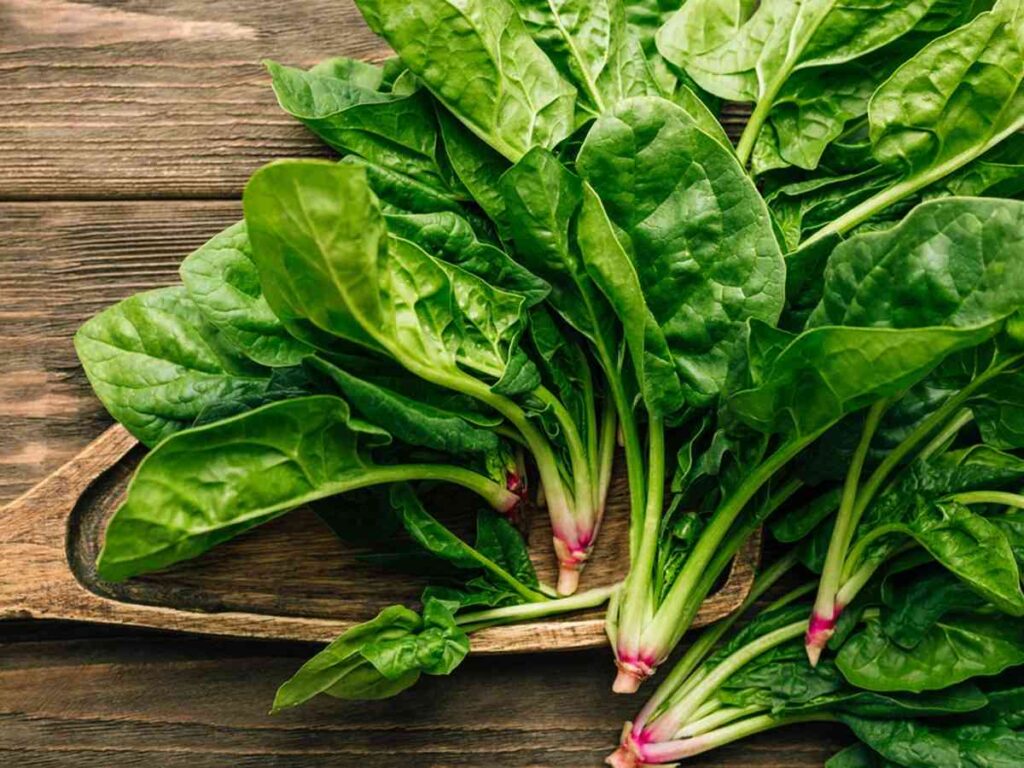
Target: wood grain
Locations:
point(155, 99)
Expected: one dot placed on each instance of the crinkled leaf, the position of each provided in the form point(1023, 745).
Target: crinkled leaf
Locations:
point(156, 363)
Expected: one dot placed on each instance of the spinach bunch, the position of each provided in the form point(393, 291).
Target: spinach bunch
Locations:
point(916, 689)
point(538, 242)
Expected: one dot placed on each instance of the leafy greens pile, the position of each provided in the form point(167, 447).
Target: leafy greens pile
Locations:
point(540, 242)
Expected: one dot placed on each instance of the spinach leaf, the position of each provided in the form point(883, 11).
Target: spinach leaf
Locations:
point(956, 648)
point(684, 264)
point(358, 116)
point(156, 363)
point(919, 745)
point(381, 657)
point(480, 62)
point(858, 756)
point(893, 278)
point(451, 238)
point(747, 51)
point(223, 282)
point(543, 200)
point(342, 670)
point(336, 267)
point(801, 384)
point(914, 607)
point(418, 422)
point(593, 48)
point(206, 485)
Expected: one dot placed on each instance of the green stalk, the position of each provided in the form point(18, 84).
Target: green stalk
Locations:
point(592, 598)
point(578, 456)
point(707, 640)
point(887, 197)
point(824, 610)
point(605, 456)
point(664, 630)
point(715, 720)
point(499, 497)
point(1015, 500)
point(666, 726)
point(671, 751)
point(636, 605)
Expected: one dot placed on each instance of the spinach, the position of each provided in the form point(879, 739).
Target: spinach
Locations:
point(689, 295)
point(223, 282)
point(381, 657)
point(156, 363)
point(478, 59)
point(955, 648)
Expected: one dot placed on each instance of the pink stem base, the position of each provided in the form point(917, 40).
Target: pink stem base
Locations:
point(628, 754)
point(819, 630)
point(571, 560)
point(632, 672)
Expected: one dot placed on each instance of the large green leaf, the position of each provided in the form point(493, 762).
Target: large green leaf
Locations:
point(804, 383)
point(156, 363)
point(952, 262)
point(924, 745)
point(745, 51)
point(334, 265)
point(418, 422)
point(224, 283)
point(209, 484)
point(356, 115)
point(687, 254)
point(593, 48)
point(954, 649)
point(957, 98)
point(479, 60)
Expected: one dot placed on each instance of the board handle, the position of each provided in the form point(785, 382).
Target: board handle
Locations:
point(37, 580)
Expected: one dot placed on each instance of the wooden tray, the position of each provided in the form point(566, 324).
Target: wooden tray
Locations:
point(290, 579)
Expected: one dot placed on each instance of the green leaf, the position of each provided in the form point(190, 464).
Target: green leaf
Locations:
point(358, 116)
point(896, 278)
point(498, 540)
point(418, 423)
point(955, 648)
point(480, 62)
point(156, 363)
point(687, 254)
point(224, 283)
point(858, 756)
point(958, 97)
point(810, 381)
point(335, 266)
point(437, 649)
point(543, 200)
point(919, 745)
point(209, 484)
point(449, 237)
point(592, 47)
point(341, 670)
point(914, 608)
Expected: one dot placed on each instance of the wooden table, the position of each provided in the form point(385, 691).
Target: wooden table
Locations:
point(127, 130)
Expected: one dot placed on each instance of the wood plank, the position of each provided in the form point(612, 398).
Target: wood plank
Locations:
point(542, 711)
point(155, 99)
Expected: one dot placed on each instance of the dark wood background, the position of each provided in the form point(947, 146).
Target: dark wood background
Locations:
point(127, 129)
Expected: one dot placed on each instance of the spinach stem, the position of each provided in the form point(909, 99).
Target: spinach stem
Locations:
point(637, 592)
point(680, 749)
point(707, 640)
point(825, 603)
point(605, 456)
point(1015, 500)
point(671, 620)
point(499, 497)
point(908, 186)
point(592, 598)
point(668, 725)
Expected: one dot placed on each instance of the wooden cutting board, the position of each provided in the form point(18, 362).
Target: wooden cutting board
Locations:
point(290, 579)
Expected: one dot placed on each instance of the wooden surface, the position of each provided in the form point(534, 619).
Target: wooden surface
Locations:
point(126, 131)
point(290, 579)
